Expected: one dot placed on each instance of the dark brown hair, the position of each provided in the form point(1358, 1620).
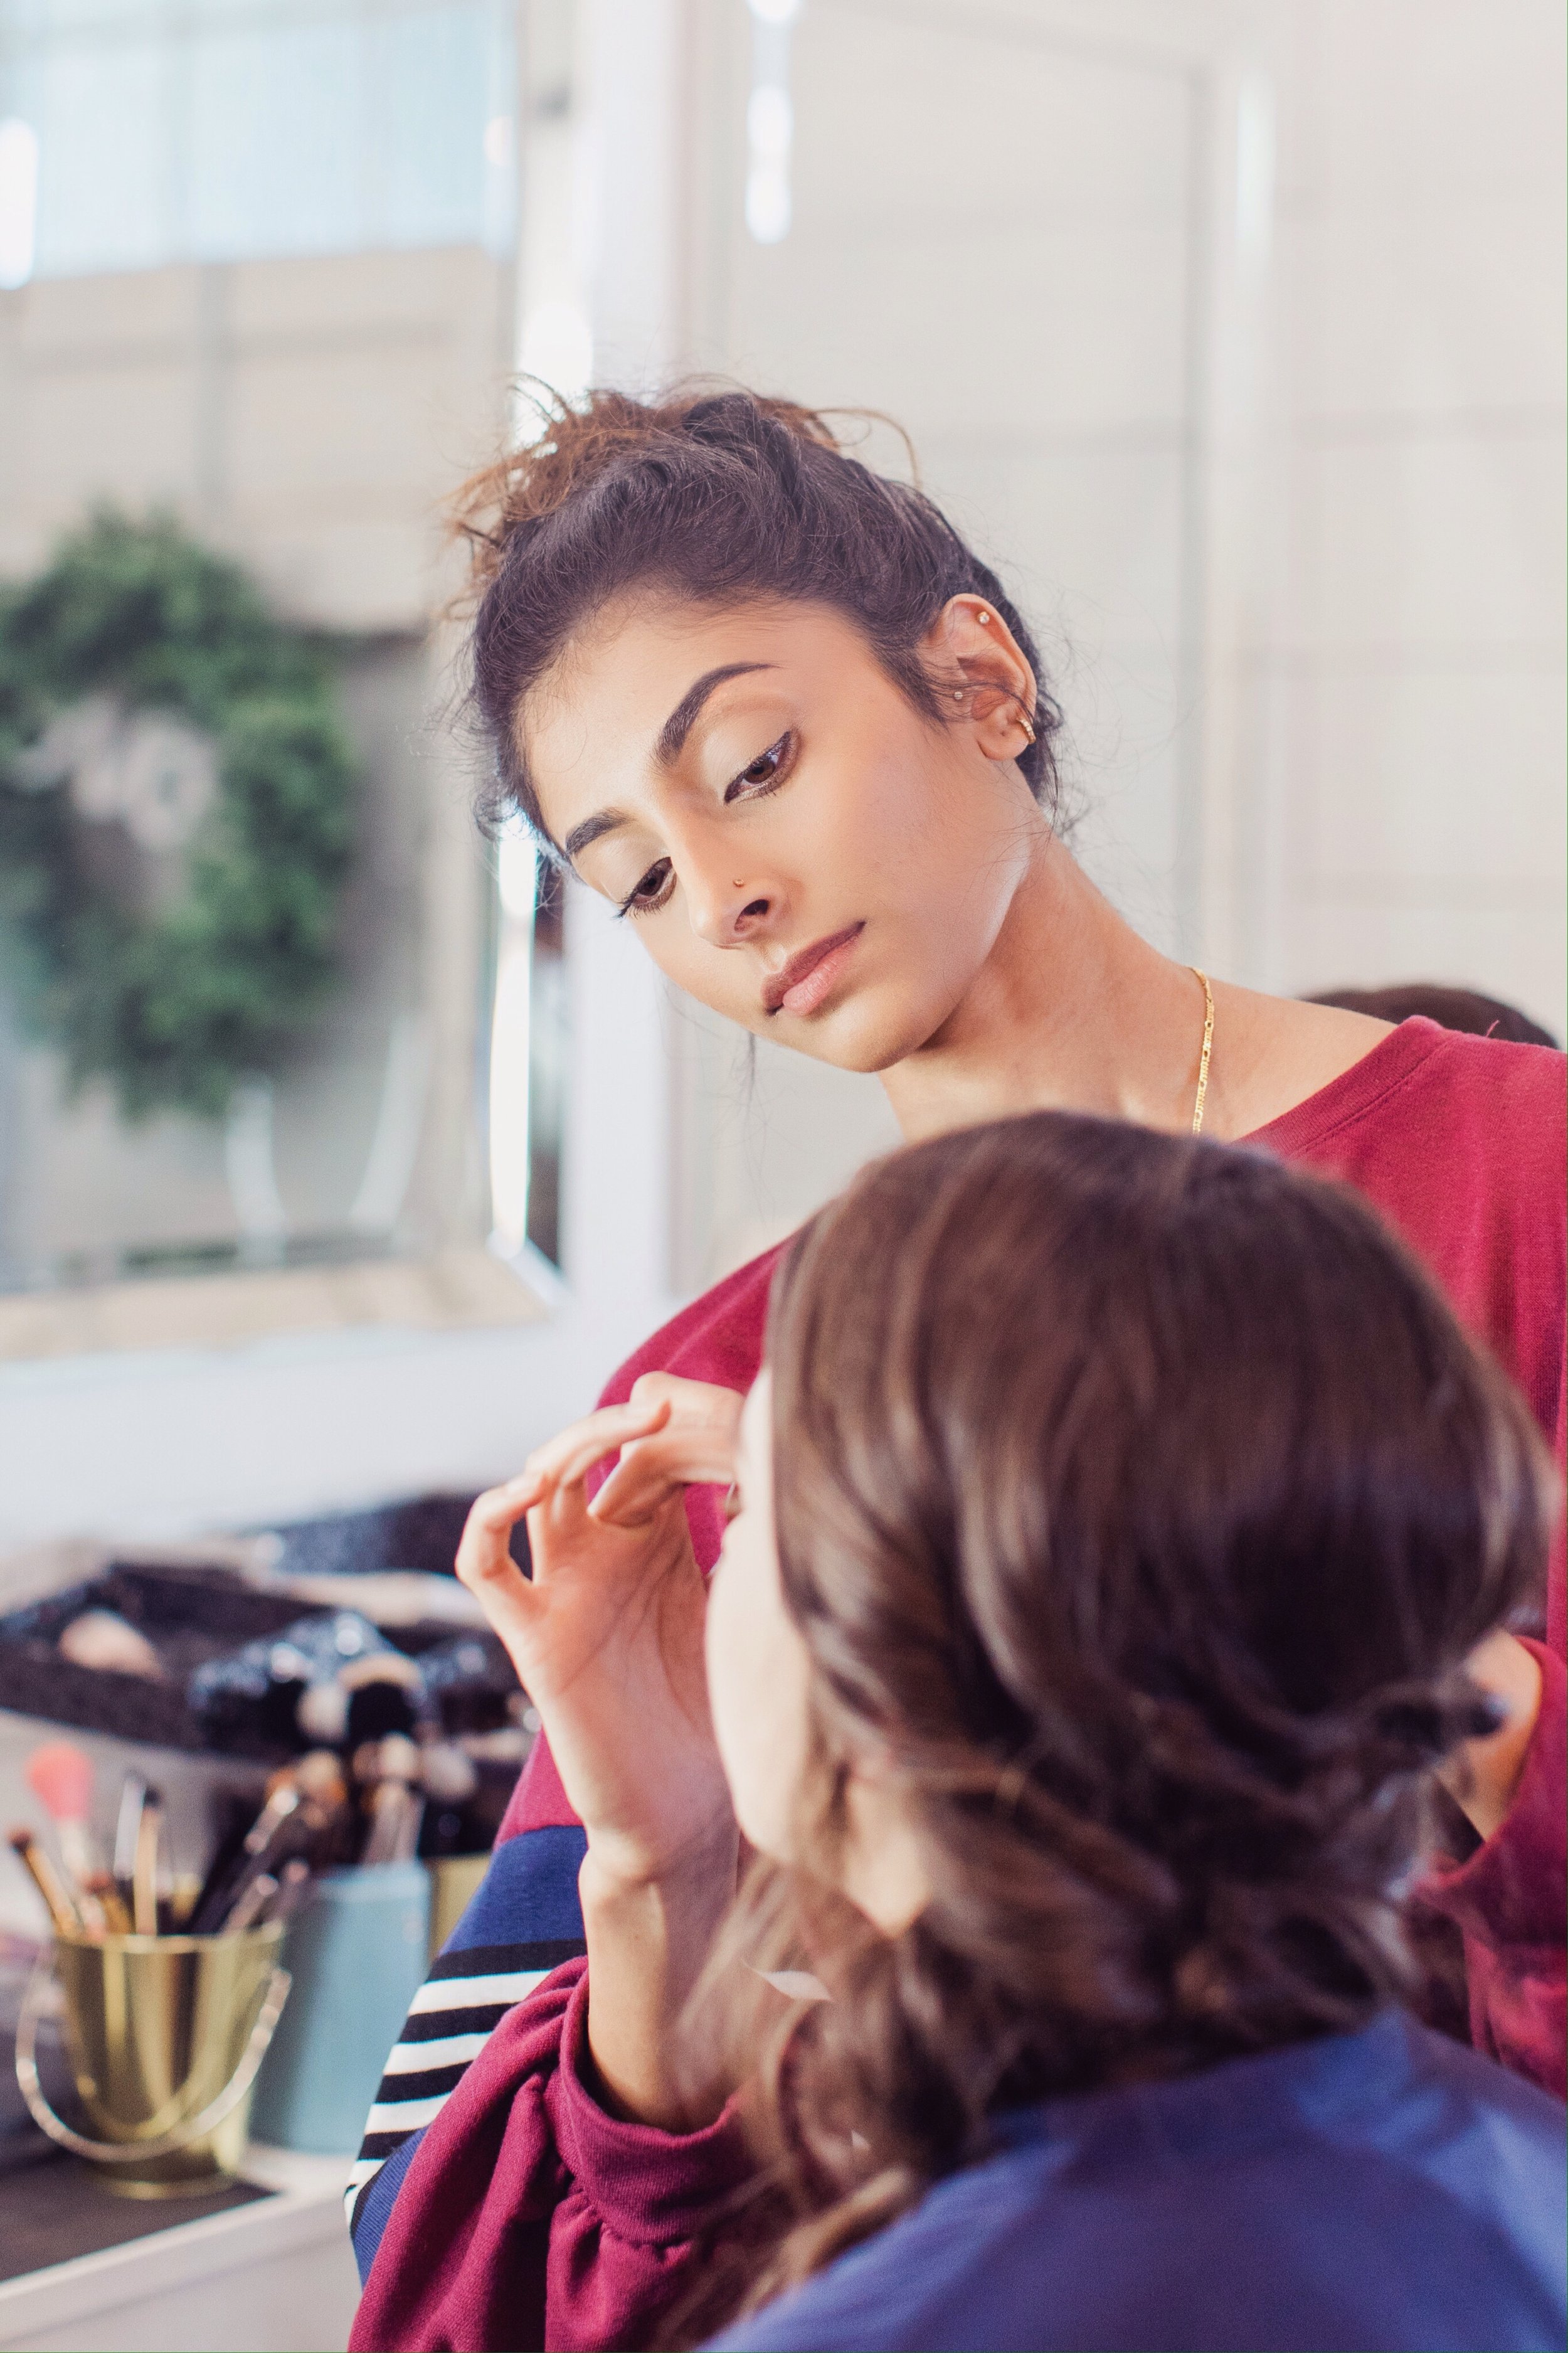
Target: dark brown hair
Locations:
point(1465, 1009)
point(1141, 1501)
point(718, 496)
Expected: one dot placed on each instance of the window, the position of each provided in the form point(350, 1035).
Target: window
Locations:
point(226, 129)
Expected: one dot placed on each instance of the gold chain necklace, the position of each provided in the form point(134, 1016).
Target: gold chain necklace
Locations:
point(1204, 1056)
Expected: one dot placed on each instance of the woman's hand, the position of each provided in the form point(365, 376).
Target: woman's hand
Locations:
point(606, 1636)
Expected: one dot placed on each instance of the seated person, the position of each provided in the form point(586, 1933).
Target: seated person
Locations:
point(1115, 1516)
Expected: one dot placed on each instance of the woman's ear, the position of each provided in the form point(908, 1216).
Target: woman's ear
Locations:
point(974, 663)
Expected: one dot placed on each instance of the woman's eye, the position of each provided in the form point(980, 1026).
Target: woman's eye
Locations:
point(758, 777)
point(652, 891)
point(764, 770)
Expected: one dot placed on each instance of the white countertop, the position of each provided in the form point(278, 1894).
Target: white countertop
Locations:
point(277, 2277)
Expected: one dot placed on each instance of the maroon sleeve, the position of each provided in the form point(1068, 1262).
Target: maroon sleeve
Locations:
point(1510, 1899)
point(530, 2217)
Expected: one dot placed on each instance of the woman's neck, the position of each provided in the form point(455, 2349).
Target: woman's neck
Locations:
point(1072, 1011)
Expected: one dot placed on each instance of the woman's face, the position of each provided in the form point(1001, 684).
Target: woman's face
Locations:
point(759, 1694)
point(798, 847)
point(759, 1670)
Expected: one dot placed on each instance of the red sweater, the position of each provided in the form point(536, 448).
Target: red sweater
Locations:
point(1462, 1143)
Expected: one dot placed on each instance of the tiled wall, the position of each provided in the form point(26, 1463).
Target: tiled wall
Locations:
point(308, 414)
point(993, 239)
point(998, 239)
point(1414, 673)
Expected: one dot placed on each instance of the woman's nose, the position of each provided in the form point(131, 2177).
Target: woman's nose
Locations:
point(726, 908)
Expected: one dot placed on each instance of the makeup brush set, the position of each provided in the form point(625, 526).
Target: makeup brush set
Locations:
point(143, 1954)
point(321, 1811)
point(371, 1733)
point(196, 1659)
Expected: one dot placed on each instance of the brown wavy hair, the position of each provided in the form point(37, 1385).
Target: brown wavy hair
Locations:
point(1139, 1499)
point(720, 496)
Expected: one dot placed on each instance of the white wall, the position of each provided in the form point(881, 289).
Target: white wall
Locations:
point(1413, 670)
point(999, 241)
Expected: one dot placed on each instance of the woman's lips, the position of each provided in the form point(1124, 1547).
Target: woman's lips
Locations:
point(808, 978)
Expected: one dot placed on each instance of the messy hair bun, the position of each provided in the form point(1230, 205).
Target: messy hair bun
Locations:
point(717, 496)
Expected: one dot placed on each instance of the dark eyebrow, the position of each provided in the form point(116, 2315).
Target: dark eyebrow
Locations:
point(671, 743)
point(603, 821)
point(683, 718)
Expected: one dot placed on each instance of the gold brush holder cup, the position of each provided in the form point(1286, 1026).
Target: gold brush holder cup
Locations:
point(164, 2036)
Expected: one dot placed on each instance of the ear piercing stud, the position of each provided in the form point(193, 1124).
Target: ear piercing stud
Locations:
point(983, 618)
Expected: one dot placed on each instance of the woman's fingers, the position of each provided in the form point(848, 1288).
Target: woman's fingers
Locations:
point(484, 1562)
point(646, 1476)
point(695, 1445)
point(700, 1407)
point(574, 1454)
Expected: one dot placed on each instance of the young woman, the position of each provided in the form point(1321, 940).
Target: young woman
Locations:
point(1115, 1517)
point(771, 707)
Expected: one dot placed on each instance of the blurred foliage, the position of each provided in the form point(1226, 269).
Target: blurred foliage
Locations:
point(173, 1007)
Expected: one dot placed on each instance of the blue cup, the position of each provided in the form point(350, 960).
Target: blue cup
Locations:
point(357, 1952)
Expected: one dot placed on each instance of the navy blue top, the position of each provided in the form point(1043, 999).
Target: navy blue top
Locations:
point(1379, 2193)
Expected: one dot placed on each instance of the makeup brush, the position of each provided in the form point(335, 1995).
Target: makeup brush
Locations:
point(390, 1767)
point(62, 1911)
point(101, 1900)
point(216, 1899)
point(144, 1867)
point(60, 1776)
point(318, 1821)
point(250, 1903)
point(282, 1801)
point(306, 1796)
point(396, 1813)
point(228, 1856)
point(393, 1757)
point(295, 1885)
point(319, 1776)
point(128, 1822)
point(450, 1775)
